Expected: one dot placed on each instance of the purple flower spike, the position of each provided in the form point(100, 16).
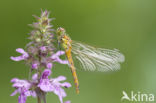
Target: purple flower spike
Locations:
point(40, 54)
point(24, 55)
point(56, 58)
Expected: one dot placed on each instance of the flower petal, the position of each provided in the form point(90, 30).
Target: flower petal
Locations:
point(19, 58)
point(33, 93)
point(14, 93)
point(43, 48)
point(66, 84)
point(35, 77)
point(45, 85)
point(49, 65)
point(67, 101)
point(61, 61)
point(60, 78)
point(24, 55)
point(60, 93)
point(34, 66)
point(22, 98)
point(59, 53)
point(22, 83)
point(14, 80)
point(20, 50)
point(56, 58)
point(46, 73)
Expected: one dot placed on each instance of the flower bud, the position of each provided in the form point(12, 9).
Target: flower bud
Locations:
point(38, 40)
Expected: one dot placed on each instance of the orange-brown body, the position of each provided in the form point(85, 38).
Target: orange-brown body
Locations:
point(73, 70)
point(67, 46)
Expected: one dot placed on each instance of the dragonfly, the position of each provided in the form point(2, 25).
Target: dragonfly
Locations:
point(90, 58)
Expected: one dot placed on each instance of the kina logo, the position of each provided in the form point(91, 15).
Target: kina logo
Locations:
point(137, 97)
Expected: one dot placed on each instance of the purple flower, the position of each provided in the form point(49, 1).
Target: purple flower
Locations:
point(22, 87)
point(35, 78)
point(34, 66)
point(24, 55)
point(49, 65)
point(17, 83)
point(22, 98)
point(58, 87)
point(44, 84)
point(56, 57)
point(53, 84)
point(43, 48)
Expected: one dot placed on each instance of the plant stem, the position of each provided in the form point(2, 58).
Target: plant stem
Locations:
point(38, 99)
point(39, 74)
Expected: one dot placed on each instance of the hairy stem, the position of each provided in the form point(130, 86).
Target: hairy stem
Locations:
point(38, 100)
point(39, 75)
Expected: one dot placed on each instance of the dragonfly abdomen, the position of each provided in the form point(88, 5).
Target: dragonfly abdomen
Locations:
point(73, 70)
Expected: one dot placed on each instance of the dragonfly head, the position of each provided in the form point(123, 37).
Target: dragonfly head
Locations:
point(63, 38)
point(60, 31)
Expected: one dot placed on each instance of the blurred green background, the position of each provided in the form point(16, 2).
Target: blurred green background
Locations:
point(128, 25)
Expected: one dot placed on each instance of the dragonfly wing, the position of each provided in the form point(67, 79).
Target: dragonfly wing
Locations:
point(97, 59)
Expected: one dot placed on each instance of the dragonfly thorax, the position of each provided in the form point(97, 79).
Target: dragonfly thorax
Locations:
point(66, 42)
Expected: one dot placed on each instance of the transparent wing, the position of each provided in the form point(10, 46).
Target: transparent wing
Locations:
point(97, 59)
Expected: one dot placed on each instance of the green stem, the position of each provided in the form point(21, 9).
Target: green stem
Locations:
point(38, 100)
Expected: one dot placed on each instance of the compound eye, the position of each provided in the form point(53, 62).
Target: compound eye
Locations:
point(61, 39)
